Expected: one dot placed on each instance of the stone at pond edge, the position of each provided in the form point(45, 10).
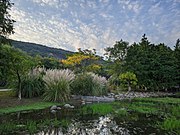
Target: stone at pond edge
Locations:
point(68, 106)
point(54, 107)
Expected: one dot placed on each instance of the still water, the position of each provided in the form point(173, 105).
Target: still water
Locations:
point(73, 122)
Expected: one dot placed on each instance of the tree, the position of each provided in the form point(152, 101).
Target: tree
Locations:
point(6, 23)
point(16, 63)
point(177, 56)
point(116, 56)
point(128, 79)
point(154, 65)
point(117, 52)
point(81, 60)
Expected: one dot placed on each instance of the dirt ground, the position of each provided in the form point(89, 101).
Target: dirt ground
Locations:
point(13, 101)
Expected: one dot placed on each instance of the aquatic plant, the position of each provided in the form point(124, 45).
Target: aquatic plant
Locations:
point(31, 126)
point(65, 123)
point(101, 109)
point(143, 109)
point(171, 124)
point(166, 100)
point(7, 128)
point(175, 111)
point(56, 123)
point(121, 112)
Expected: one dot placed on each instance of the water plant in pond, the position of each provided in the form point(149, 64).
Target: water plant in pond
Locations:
point(166, 100)
point(171, 124)
point(121, 112)
point(56, 123)
point(143, 109)
point(7, 128)
point(65, 123)
point(175, 111)
point(100, 109)
point(31, 126)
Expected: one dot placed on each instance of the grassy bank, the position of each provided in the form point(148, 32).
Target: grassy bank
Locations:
point(32, 106)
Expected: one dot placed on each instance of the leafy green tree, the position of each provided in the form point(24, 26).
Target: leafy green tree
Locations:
point(6, 23)
point(154, 65)
point(128, 79)
point(118, 52)
point(177, 56)
point(116, 56)
point(16, 64)
point(50, 63)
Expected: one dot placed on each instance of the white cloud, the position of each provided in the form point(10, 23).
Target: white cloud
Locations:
point(94, 24)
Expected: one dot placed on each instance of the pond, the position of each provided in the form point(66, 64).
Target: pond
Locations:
point(83, 120)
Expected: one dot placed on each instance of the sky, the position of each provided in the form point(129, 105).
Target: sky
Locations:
point(88, 24)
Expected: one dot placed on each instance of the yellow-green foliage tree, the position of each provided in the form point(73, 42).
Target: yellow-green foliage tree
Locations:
point(128, 79)
point(80, 60)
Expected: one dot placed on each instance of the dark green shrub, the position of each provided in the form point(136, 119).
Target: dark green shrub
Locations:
point(82, 85)
point(32, 86)
point(89, 84)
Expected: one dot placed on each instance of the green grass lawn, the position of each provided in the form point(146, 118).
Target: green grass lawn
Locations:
point(33, 106)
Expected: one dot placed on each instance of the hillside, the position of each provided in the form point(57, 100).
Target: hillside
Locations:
point(38, 49)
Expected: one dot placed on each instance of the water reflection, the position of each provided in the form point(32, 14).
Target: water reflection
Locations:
point(104, 125)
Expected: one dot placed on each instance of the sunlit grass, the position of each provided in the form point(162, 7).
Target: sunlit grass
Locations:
point(167, 100)
point(33, 106)
point(171, 124)
point(100, 109)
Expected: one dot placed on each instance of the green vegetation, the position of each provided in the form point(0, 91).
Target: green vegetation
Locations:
point(128, 79)
point(100, 109)
point(7, 128)
point(171, 124)
point(34, 106)
point(89, 84)
point(33, 84)
point(6, 27)
point(58, 84)
point(9, 93)
point(165, 100)
point(31, 127)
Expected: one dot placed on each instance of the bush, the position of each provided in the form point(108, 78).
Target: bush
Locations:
point(82, 85)
point(89, 84)
point(32, 86)
point(58, 84)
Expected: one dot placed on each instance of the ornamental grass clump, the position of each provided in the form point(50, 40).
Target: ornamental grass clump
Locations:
point(32, 84)
point(100, 85)
point(58, 84)
point(89, 84)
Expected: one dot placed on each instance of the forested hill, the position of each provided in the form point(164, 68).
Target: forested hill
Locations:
point(38, 49)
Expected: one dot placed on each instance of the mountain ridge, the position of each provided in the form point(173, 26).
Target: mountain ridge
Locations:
point(42, 50)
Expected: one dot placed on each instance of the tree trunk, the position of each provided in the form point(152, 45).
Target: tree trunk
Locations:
point(19, 85)
point(129, 88)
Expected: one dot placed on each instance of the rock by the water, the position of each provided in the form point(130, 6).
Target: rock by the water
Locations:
point(53, 111)
point(58, 108)
point(68, 106)
point(54, 107)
